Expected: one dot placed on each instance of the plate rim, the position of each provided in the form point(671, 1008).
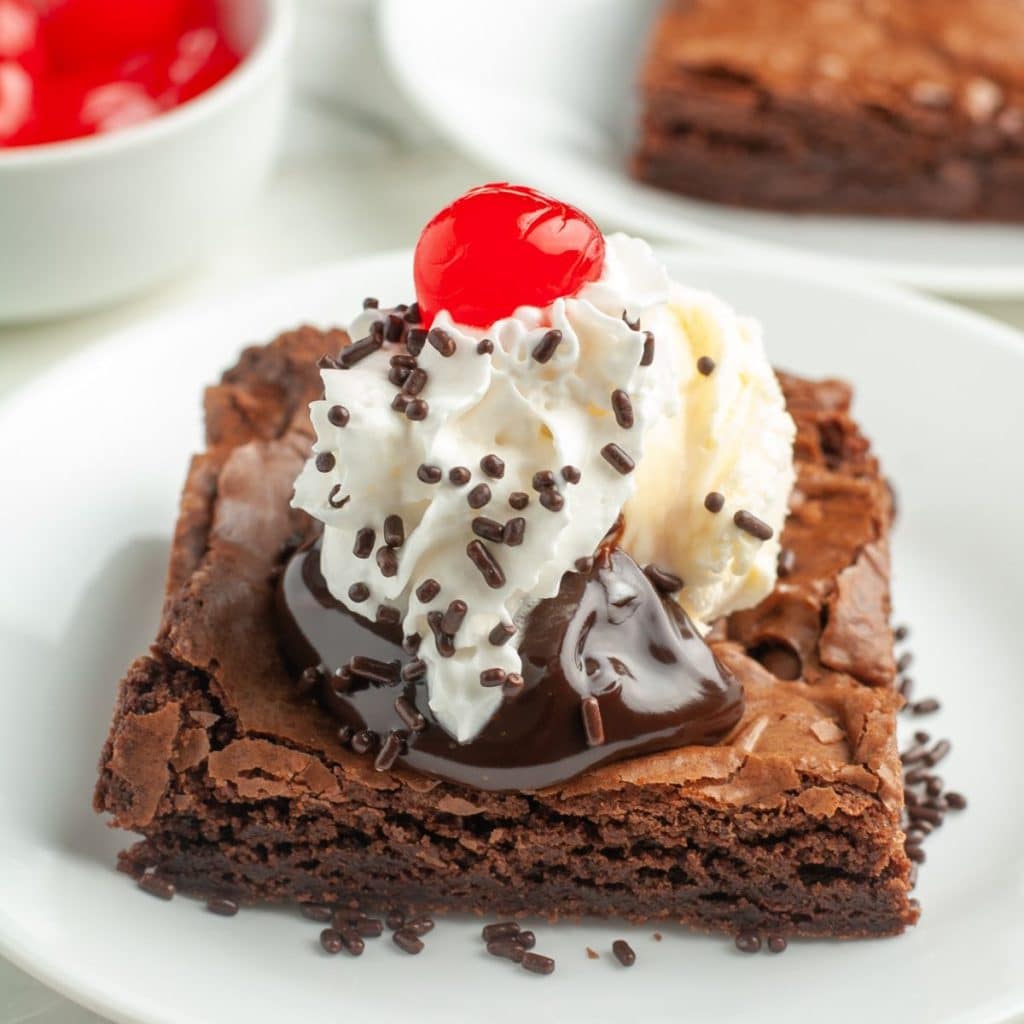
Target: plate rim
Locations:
point(29, 955)
point(964, 281)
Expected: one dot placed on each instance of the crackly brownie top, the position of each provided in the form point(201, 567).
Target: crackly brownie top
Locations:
point(937, 63)
point(834, 724)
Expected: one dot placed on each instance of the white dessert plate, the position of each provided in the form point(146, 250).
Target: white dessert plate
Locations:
point(93, 455)
point(544, 93)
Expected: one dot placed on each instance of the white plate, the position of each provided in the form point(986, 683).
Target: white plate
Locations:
point(543, 91)
point(93, 456)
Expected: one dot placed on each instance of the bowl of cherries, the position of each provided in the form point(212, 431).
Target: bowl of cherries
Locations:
point(131, 133)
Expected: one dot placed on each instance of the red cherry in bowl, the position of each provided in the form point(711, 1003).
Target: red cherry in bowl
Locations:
point(502, 246)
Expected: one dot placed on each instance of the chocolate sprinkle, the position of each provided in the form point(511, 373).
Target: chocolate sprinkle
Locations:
point(394, 328)
point(519, 500)
point(442, 341)
point(371, 303)
point(387, 562)
point(415, 382)
point(508, 949)
point(493, 677)
point(411, 643)
point(662, 580)
point(398, 375)
point(501, 634)
point(514, 685)
point(360, 350)
point(415, 339)
point(624, 952)
point(407, 942)
point(623, 408)
point(156, 886)
point(489, 568)
point(459, 475)
point(479, 496)
point(417, 409)
point(489, 529)
point(442, 641)
point(749, 523)
point(389, 753)
point(648, 357)
point(388, 615)
point(706, 366)
point(332, 497)
point(394, 531)
point(493, 466)
point(325, 462)
point(777, 944)
point(571, 474)
point(454, 617)
point(545, 348)
point(714, 502)
point(222, 906)
point(395, 919)
point(514, 531)
point(399, 403)
point(748, 942)
point(331, 942)
point(537, 964)
point(338, 415)
point(428, 590)
point(526, 939)
point(412, 314)
point(593, 724)
point(364, 741)
point(552, 499)
point(358, 592)
point(543, 479)
point(429, 474)
point(373, 669)
point(412, 672)
point(925, 707)
point(370, 927)
point(499, 930)
point(485, 347)
point(411, 718)
point(619, 460)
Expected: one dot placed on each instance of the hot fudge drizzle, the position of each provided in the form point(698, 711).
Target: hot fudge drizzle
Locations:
point(611, 669)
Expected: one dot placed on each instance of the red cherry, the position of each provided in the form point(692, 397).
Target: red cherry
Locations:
point(82, 33)
point(501, 246)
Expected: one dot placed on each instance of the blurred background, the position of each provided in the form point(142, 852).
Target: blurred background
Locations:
point(354, 169)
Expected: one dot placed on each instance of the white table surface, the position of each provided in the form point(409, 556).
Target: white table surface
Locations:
point(321, 206)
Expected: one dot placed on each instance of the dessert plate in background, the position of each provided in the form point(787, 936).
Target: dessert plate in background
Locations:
point(544, 93)
point(94, 455)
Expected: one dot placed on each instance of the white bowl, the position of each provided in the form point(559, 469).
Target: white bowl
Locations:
point(90, 221)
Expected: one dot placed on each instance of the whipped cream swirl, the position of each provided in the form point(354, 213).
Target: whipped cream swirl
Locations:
point(538, 412)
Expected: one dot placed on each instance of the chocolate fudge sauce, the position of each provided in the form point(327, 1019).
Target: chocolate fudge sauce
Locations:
point(611, 669)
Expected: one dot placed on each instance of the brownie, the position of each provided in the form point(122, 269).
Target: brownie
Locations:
point(899, 107)
point(240, 787)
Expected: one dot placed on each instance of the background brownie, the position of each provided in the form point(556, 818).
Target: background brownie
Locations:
point(906, 107)
point(240, 786)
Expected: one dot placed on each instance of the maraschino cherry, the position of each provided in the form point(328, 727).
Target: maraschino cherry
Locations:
point(502, 246)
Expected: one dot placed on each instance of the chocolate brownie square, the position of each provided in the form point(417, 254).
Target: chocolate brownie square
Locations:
point(896, 107)
point(240, 788)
